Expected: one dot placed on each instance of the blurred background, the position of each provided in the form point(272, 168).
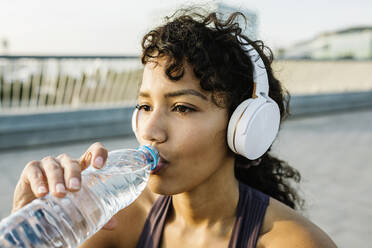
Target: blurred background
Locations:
point(69, 74)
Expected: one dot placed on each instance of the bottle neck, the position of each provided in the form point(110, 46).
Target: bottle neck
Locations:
point(151, 154)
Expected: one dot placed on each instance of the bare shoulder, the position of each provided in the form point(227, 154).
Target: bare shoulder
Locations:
point(284, 227)
point(131, 221)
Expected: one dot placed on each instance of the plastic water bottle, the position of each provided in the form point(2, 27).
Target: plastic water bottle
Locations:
point(67, 222)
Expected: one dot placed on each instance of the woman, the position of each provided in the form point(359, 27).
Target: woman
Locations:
point(197, 71)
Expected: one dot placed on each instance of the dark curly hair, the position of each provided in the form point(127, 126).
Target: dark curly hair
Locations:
point(216, 50)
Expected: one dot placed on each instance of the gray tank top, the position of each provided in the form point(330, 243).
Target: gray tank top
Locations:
point(250, 213)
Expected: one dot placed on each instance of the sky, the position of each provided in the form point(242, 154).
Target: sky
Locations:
point(113, 27)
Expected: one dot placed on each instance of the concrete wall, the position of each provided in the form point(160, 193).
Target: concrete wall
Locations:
point(47, 128)
point(324, 103)
point(24, 130)
point(320, 77)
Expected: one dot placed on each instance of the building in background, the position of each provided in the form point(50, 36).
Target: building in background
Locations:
point(350, 43)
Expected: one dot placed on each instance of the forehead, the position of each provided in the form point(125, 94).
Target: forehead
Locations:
point(155, 78)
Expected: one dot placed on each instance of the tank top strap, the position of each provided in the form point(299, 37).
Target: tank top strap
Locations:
point(154, 225)
point(251, 211)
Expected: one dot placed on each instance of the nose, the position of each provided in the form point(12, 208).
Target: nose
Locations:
point(151, 127)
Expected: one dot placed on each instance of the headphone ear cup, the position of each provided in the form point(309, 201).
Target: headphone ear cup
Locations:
point(260, 132)
point(255, 128)
point(233, 123)
point(134, 121)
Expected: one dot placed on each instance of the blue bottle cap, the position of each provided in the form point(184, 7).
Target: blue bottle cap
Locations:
point(154, 155)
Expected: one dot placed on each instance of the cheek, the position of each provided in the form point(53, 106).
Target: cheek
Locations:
point(202, 142)
point(202, 138)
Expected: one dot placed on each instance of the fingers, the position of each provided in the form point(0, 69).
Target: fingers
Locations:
point(72, 172)
point(34, 177)
point(95, 155)
point(54, 173)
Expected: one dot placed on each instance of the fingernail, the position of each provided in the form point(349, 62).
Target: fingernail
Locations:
point(74, 183)
point(41, 190)
point(98, 162)
point(60, 188)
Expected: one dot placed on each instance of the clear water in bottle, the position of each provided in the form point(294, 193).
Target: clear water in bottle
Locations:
point(67, 222)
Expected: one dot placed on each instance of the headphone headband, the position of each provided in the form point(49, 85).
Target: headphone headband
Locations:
point(260, 79)
point(254, 124)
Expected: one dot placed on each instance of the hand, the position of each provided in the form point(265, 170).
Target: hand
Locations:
point(57, 176)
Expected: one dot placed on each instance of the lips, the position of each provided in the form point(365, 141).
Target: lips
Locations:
point(161, 164)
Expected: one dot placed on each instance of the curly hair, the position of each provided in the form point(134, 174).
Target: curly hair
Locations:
point(215, 49)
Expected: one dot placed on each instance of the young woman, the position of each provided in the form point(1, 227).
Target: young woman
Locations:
point(197, 71)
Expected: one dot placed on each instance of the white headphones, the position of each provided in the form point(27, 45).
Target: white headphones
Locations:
point(255, 122)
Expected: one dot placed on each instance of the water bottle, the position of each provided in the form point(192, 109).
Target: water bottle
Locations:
point(67, 222)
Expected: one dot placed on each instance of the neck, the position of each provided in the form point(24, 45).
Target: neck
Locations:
point(204, 205)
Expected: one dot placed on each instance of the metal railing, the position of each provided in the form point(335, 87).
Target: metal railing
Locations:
point(44, 83)
point(51, 83)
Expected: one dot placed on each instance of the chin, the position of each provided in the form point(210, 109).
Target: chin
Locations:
point(157, 185)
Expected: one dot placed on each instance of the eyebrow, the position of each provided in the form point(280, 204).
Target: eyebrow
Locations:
point(179, 93)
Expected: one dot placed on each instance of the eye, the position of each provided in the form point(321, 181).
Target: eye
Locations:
point(183, 109)
point(143, 107)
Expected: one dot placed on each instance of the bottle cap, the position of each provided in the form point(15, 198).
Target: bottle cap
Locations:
point(151, 153)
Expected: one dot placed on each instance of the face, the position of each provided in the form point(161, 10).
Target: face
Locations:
point(187, 128)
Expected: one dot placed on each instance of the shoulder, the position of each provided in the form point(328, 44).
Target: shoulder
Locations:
point(284, 227)
point(130, 223)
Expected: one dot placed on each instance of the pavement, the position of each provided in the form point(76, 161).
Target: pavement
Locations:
point(331, 151)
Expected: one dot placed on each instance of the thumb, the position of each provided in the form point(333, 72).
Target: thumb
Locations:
point(111, 224)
